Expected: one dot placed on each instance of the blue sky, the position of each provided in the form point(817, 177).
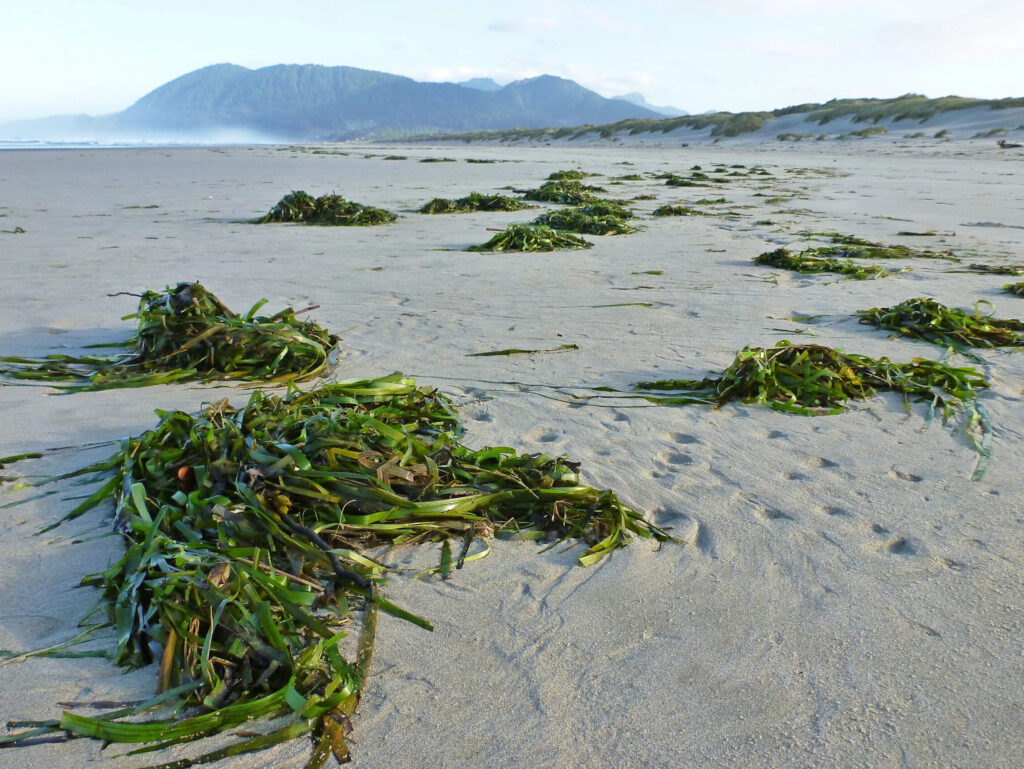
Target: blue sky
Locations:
point(99, 56)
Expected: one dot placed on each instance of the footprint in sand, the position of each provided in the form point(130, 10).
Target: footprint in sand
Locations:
point(675, 458)
point(906, 476)
point(682, 438)
point(542, 435)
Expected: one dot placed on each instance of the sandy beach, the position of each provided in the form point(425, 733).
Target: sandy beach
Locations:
point(844, 595)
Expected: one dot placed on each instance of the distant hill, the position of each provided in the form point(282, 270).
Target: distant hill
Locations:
point(311, 102)
point(638, 98)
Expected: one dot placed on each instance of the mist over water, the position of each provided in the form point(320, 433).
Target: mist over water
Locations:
point(20, 138)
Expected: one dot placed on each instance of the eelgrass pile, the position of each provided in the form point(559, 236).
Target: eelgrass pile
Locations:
point(1017, 289)
point(1002, 269)
point(672, 210)
point(531, 237)
point(809, 265)
point(853, 247)
point(813, 380)
point(574, 175)
point(474, 201)
point(247, 533)
point(577, 220)
point(927, 320)
point(187, 333)
point(570, 193)
point(329, 210)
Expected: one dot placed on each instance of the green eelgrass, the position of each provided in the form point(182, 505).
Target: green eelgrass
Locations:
point(528, 237)
point(474, 201)
point(807, 264)
point(1003, 269)
point(561, 176)
point(246, 533)
point(814, 380)
point(330, 210)
point(571, 193)
point(187, 333)
point(1017, 289)
point(929, 321)
point(853, 247)
point(670, 210)
point(576, 220)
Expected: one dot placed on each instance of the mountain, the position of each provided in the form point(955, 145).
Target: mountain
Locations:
point(310, 102)
point(638, 99)
point(481, 84)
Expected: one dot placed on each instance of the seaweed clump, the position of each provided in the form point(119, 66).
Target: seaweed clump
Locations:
point(474, 201)
point(1002, 269)
point(1017, 289)
point(671, 210)
point(575, 175)
point(245, 564)
point(853, 247)
point(570, 193)
point(531, 237)
point(578, 220)
point(810, 265)
point(187, 333)
point(329, 210)
point(814, 380)
point(929, 321)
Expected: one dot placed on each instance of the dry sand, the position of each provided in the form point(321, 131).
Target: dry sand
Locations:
point(846, 595)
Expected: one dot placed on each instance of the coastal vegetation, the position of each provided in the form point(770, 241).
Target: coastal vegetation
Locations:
point(720, 125)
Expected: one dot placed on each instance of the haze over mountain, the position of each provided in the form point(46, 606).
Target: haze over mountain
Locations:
point(481, 84)
point(638, 99)
point(312, 102)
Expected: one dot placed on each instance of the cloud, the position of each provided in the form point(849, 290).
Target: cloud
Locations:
point(525, 24)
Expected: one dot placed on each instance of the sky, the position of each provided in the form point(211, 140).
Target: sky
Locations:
point(99, 56)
